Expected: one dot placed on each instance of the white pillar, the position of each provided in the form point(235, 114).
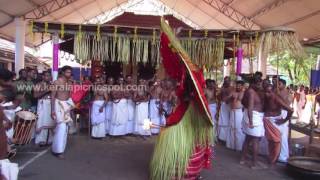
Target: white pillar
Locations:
point(19, 43)
point(226, 67)
point(55, 57)
point(9, 67)
point(262, 62)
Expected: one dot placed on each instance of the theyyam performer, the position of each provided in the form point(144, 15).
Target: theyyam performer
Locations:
point(183, 146)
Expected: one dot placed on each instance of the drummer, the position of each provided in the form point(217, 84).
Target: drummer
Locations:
point(45, 124)
point(6, 92)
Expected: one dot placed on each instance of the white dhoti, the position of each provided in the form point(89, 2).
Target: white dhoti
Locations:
point(107, 121)
point(306, 113)
point(224, 121)
point(45, 124)
point(119, 120)
point(141, 114)
point(154, 114)
point(98, 119)
point(257, 121)
point(8, 170)
point(213, 111)
point(284, 129)
point(235, 137)
point(130, 124)
point(62, 111)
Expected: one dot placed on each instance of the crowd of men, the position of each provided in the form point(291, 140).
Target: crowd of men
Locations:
point(245, 115)
point(118, 108)
point(256, 115)
point(123, 107)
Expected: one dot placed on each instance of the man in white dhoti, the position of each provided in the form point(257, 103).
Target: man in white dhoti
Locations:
point(276, 127)
point(98, 110)
point(284, 126)
point(61, 105)
point(110, 83)
point(302, 100)
point(210, 93)
point(131, 105)
point(154, 106)
point(120, 115)
point(141, 98)
point(235, 137)
point(45, 124)
point(224, 115)
point(253, 119)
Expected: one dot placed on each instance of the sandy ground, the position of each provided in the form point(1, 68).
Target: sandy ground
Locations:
point(123, 159)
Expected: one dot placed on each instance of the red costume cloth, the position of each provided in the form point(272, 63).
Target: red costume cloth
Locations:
point(79, 91)
point(177, 69)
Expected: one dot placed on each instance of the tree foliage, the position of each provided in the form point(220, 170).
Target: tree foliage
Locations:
point(297, 69)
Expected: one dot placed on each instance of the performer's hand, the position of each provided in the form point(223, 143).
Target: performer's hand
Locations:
point(53, 116)
point(101, 109)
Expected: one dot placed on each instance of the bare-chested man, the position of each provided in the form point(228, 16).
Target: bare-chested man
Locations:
point(61, 105)
point(154, 105)
point(98, 112)
point(235, 137)
point(276, 126)
point(120, 116)
point(128, 93)
point(211, 94)
point(45, 124)
point(141, 99)
point(224, 115)
point(253, 119)
point(5, 124)
point(168, 98)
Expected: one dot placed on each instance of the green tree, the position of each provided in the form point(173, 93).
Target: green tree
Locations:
point(297, 69)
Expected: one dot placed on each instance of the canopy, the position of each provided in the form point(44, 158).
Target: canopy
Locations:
point(300, 15)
